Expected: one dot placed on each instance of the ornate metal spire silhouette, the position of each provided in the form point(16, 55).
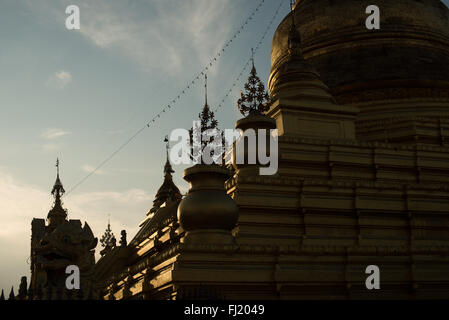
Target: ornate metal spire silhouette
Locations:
point(207, 117)
point(2, 296)
point(57, 214)
point(207, 121)
point(167, 168)
point(58, 189)
point(255, 98)
point(252, 57)
point(108, 240)
point(168, 190)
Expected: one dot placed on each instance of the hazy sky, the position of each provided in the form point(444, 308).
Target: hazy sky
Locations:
point(78, 95)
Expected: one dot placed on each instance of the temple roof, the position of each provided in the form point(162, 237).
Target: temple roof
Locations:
point(168, 190)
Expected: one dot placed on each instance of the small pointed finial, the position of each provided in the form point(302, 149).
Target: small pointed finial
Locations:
point(167, 143)
point(205, 87)
point(167, 168)
point(58, 189)
point(252, 56)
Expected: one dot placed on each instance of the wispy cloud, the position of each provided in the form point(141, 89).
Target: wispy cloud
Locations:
point(164, 35)
point(52, 137)
point(53, 133)
point(89, 169)
point(59, 79)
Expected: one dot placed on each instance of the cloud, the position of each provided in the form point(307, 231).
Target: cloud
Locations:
point(53, 133)
point(172, 38)
point(164, 35)
point(89, 169)
point(20, 202)
point(52, 137)
point(59, 80)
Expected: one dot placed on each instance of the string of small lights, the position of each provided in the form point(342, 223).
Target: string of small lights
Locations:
point(237, 80)
point(213, 60)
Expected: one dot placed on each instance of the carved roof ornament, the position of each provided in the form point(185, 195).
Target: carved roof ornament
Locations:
point(108, 240)
point(57, 214)
point(255, 99)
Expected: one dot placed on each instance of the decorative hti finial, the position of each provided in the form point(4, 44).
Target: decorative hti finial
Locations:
point(58, 188)
point(2, 296)
point(11, 294)
point(252, 57)
point(207, 117)
point(57, 214)
point(255, 99)
point(167, 168)
point(108, 240)
point(207, 122)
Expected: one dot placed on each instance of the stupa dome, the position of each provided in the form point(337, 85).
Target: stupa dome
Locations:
point(408, 56)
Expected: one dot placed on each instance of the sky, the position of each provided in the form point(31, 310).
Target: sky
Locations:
point(79, 94)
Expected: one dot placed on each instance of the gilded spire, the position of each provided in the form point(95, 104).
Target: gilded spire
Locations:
point(57, 214)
